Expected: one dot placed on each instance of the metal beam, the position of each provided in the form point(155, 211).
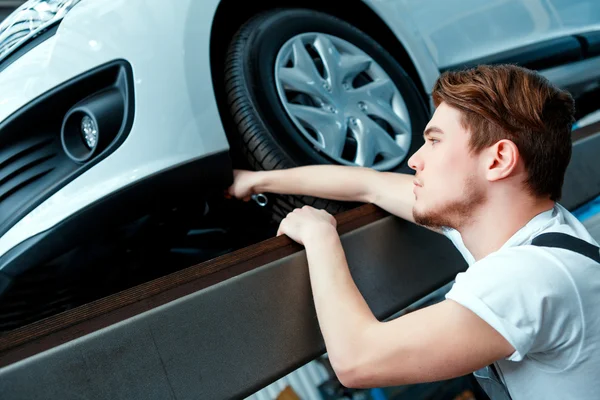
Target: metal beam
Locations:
point(231, 339)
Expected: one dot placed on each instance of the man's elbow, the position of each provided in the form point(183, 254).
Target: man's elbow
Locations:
point(350, 378)
point(350, 374)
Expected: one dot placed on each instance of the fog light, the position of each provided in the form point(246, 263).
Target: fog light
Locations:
point(89, 130)
point(91, 125)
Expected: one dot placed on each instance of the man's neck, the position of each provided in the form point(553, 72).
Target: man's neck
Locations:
point(496, 222)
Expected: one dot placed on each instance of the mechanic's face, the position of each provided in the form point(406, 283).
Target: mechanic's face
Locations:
point(447, 188)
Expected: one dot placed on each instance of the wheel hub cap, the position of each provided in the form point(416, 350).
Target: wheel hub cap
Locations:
point(342, 101)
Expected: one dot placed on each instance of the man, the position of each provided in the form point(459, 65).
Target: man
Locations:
point(488, 177)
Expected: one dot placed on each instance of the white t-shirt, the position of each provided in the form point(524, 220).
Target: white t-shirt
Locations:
point(545, 302)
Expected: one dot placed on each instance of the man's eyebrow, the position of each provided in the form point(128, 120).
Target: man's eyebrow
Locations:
point(432, 129)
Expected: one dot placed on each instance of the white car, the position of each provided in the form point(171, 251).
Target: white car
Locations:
point(121, 119)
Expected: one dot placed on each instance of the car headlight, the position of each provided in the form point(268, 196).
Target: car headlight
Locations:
point(29, 20)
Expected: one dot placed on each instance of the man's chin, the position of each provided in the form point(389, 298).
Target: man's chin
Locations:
point(430, 218)
point(452, 213)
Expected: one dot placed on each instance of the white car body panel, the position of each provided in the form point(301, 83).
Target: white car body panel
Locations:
point(457, 31)
point(175, 119)
point(397, 16)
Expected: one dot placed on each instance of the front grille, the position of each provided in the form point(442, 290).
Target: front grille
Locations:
point(22, 166)
point(29, 169)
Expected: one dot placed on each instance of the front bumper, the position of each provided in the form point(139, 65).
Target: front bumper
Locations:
point(175, 122)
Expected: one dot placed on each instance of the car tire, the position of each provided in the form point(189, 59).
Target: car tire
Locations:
point(269, 138)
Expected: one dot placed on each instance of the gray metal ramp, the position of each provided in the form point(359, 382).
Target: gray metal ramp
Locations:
point(235, 337)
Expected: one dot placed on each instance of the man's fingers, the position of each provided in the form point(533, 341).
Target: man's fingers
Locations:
point(280, 229)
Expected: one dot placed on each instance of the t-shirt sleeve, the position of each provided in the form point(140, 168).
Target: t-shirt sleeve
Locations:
point(527, 297)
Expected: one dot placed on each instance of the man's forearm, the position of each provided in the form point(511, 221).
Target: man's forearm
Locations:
point(334, 182)
point(391, 191)
point(343, 314)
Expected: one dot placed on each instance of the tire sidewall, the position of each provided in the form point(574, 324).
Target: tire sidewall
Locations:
point(258, 62)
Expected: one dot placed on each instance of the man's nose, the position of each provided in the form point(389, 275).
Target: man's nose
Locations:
point(415, 161)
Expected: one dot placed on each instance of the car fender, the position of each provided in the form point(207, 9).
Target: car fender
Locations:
point(398, 18)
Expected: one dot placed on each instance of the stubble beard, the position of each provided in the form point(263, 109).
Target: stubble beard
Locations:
point(456, 213)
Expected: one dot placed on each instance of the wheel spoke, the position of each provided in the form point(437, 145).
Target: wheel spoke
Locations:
point(340, 67)
point(382, 89)
point(352, 65)
point(297, 80)
point(373, 140)
point(366, 146)
point(304, 62)
point(384, 143)
point(385, 112)
point(329, 128)
point(331, 58)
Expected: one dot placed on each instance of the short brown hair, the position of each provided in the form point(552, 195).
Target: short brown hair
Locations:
point(510, 102)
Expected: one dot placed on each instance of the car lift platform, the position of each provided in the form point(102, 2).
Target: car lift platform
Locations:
point(230, 326)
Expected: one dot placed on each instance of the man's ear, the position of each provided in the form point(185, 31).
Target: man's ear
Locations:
point(501, 160)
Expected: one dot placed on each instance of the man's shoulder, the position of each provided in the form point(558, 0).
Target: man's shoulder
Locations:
point(525, 262)
point(528, 251)
point(514, 255)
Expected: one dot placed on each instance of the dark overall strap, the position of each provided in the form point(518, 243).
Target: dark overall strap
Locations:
point(568, 242)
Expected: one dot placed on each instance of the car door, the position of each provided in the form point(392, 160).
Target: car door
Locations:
point(458, 32)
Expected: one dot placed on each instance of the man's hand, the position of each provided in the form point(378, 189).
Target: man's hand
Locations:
point(306, 222)
point(244, 185)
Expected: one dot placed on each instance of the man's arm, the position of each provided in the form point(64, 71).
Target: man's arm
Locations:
point(392, 192)
point(438, 342)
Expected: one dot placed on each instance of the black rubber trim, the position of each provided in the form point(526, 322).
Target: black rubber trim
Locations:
point(30, 44)
point(546, 54)
point(42, 119)
point(591, 43)
point(193, 178)
point(568, 242)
